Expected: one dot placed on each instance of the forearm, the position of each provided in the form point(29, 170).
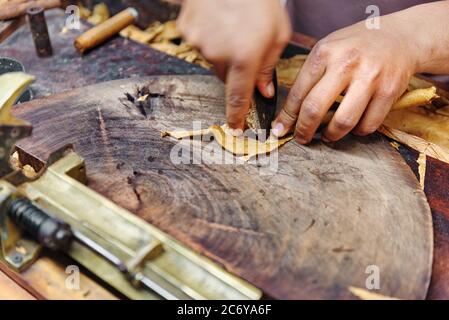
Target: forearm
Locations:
point(427, 28)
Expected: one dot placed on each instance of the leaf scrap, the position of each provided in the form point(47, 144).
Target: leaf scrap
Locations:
point(242, 146)
point(364, 294)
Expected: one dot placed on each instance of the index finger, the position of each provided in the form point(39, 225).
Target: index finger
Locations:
point(316, 104)
point(240, 83)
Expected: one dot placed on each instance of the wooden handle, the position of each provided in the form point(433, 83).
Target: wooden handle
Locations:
point(105, 30)
point(16, 8)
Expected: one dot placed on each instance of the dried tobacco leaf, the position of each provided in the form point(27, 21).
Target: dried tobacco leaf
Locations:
point(100, 14)
point(364, 294)
point(431, 125)
point(136, 34)
point(243, 146)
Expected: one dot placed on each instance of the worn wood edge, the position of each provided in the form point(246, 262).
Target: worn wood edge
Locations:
point(19, 280)
point(45, 280)
point(11, 290)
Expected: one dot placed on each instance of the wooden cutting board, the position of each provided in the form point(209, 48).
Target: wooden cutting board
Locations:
point(310, 228)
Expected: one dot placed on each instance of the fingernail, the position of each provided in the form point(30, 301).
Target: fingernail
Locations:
point(270, 89)
point(323, 138)
point(278, 130)
point(237, 132)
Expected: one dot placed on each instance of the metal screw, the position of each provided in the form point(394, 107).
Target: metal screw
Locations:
point(17, 258)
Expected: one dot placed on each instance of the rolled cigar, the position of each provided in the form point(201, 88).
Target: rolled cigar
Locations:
point(17, 8)
point(102, 32)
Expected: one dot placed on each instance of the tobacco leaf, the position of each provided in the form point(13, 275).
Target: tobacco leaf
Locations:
point(243, 146)
point(364, 294)
point(100, 14)
point(430, 124)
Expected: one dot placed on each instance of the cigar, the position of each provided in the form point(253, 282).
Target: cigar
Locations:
point(104, 31)
point(17, 8)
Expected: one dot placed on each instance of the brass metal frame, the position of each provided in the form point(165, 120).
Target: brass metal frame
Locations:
point(146, 251)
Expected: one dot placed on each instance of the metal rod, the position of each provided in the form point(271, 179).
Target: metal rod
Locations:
point(155, 287)
point(119, 264)
point(113, 259)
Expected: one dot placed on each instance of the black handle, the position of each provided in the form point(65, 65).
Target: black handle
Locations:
point(50, 232)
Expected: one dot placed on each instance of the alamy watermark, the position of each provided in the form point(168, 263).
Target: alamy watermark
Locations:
point(372, 282)
point(72, 281)
point(372, 22)
point(72, 22)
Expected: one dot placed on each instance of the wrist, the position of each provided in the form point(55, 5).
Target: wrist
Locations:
point(423, 28)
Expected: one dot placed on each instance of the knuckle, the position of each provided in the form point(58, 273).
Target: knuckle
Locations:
point(365, 130)
point(311, 110)
point(317, 57)
point(237, 100)
point(288, 115)
point(348, 62)
point(344, 123)
point(266, 71)
point(387, 92)
point(370, 74)
point(321, 48)
point(295, 98)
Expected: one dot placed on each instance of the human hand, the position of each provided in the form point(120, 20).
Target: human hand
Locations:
point(372, 68)
point(243, 40)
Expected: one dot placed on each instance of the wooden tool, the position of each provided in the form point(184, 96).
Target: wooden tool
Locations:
point(308, 231)
point(17, 8)
point(105, 30)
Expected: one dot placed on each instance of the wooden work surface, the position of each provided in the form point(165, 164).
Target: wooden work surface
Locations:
point(307, 228)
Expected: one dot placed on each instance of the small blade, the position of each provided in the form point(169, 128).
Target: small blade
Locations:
point(266, 107)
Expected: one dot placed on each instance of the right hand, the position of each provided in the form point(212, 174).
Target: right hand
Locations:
point(243, 40)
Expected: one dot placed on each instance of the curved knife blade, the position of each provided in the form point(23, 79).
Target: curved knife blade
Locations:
point(266, 107)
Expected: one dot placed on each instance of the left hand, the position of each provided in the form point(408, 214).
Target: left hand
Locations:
point(372, 68)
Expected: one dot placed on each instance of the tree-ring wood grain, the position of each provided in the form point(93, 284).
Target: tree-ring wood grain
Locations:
point(308, 230)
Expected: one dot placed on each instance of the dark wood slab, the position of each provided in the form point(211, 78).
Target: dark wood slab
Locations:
point(308, 230)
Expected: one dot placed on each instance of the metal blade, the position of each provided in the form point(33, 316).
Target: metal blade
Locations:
point(266, 107)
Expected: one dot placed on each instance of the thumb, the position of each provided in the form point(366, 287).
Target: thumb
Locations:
point(265, 81)
point(264, 78)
